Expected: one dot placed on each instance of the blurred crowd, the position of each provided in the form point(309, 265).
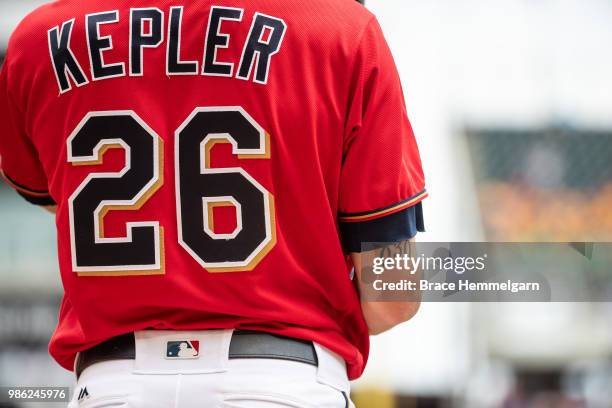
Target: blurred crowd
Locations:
point(519, 212)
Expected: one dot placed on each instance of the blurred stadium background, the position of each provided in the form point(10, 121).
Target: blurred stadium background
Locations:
point(511, 102)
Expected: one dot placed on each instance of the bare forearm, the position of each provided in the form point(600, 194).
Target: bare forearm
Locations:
point(382, 314)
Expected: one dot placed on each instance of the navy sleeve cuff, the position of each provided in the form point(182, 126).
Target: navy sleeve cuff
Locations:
point(36, 197)
point(38, 200)
point(396, 227)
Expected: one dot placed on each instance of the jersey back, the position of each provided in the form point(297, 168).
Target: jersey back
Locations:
point(213, 162)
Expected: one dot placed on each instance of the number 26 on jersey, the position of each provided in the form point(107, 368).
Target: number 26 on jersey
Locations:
point(199, 189)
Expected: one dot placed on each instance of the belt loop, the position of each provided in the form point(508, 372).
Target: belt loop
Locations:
point(151, 349)
point(227, 343)
point(332, 369)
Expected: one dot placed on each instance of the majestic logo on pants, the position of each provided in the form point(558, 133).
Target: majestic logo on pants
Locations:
point(83, 394)
point(183, 349)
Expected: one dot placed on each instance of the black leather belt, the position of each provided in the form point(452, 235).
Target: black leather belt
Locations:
point(244, 344)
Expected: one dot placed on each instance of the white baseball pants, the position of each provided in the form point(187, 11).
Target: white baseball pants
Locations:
point(211, 380)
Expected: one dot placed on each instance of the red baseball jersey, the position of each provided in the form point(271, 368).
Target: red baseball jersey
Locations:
point(213, 163)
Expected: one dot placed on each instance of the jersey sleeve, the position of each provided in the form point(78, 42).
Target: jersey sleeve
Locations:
point(382, 182)
point(19, 162)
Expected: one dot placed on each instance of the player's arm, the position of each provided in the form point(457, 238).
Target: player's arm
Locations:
point(383, 314)
point(19, 162)
point(389, 236)
point(382, 183)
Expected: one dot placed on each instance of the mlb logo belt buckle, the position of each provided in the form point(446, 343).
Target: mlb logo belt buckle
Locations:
point(182, 349)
